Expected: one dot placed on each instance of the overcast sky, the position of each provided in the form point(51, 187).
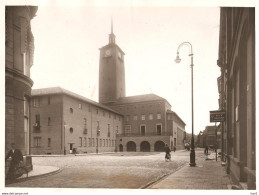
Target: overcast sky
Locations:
point(68, 38)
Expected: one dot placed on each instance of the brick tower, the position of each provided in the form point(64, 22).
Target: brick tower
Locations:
point(111, 71)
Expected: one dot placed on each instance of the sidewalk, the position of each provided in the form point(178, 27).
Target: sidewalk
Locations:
point(207, 174)
point(38, 171)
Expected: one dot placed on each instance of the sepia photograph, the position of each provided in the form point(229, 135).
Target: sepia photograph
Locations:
point(117, 96)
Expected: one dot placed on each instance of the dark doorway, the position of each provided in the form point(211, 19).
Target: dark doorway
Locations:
point(131, 146)
point(159, 146)
point(144, 146)
point(121, 148)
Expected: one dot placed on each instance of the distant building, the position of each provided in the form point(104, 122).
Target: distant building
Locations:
point(64, 122)
point(19, 49)
point(236, 85)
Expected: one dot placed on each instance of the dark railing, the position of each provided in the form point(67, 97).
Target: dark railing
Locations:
point(146, 134)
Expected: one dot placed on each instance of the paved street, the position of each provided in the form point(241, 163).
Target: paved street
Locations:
point(118, 170)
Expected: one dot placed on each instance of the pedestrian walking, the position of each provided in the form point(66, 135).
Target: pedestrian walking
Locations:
point(167, 153)
point(206, 151)
point(17, 158)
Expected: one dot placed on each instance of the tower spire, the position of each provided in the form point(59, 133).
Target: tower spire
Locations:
point(111, 25)
point(111, 36)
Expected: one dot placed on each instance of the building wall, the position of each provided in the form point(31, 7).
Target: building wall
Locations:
point(62, 120)
point(237, 63)
point(50, 124)
point(18, 60)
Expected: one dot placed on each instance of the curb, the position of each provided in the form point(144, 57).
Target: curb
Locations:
point(18, 180)
point(162, 177)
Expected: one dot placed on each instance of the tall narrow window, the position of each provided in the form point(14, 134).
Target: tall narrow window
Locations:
point(49, 121)
point(109, 133)
point(142, 130)
point(143, 117)
point(127, 129)
point(48, 99)
point(37, 121)
point(80, 106)
point(37, 141)
point(49, 142)
point(80, 141)
point(159, 129)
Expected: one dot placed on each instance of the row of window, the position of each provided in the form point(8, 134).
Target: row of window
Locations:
point(143, 117)
point(37, 142)
point(93, 142)
point(127, 129)
point(36, 103)
point(37, 124)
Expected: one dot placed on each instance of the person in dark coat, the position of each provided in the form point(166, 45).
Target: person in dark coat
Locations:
point(167, 153)
point(17, 158)
point(206, 151)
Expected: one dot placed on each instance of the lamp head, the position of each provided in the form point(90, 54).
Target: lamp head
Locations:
point(177, 60)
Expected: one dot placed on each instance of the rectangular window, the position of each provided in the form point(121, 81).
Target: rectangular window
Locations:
point(37, 121)
point(80, 142)
point(36, 102)
point(49, 121)
point(49, 142)
point(135, 117)
point(80, 106)
point(37, 141)
point(85, 144)
point(48, 100)
point(143, 117)
point(158, 116)
point(142, 130)
point(127, 129)
point(150, 116)
point(109, 133)
point(159, 129)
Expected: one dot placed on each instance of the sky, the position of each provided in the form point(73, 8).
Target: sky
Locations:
point(68, 38)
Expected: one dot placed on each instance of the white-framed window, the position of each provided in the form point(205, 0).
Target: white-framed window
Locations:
point(150, 116)
point(143, 117)
point(127, 129)
point(37, 141)
point(158, 116)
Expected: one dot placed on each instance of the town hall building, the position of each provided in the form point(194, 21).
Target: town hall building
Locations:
point(65, 122)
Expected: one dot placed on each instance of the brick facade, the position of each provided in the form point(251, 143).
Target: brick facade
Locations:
point(68, 118)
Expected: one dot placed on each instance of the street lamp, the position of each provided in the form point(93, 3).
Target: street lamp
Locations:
point(65, 138)
point(178, 60)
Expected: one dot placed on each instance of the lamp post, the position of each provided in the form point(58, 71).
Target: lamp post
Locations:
point(178, 60)
point(65, 138)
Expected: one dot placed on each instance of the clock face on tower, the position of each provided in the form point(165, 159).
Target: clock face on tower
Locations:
point(107, 53)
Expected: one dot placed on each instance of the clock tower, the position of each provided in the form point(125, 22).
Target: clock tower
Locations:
point(111, 72)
